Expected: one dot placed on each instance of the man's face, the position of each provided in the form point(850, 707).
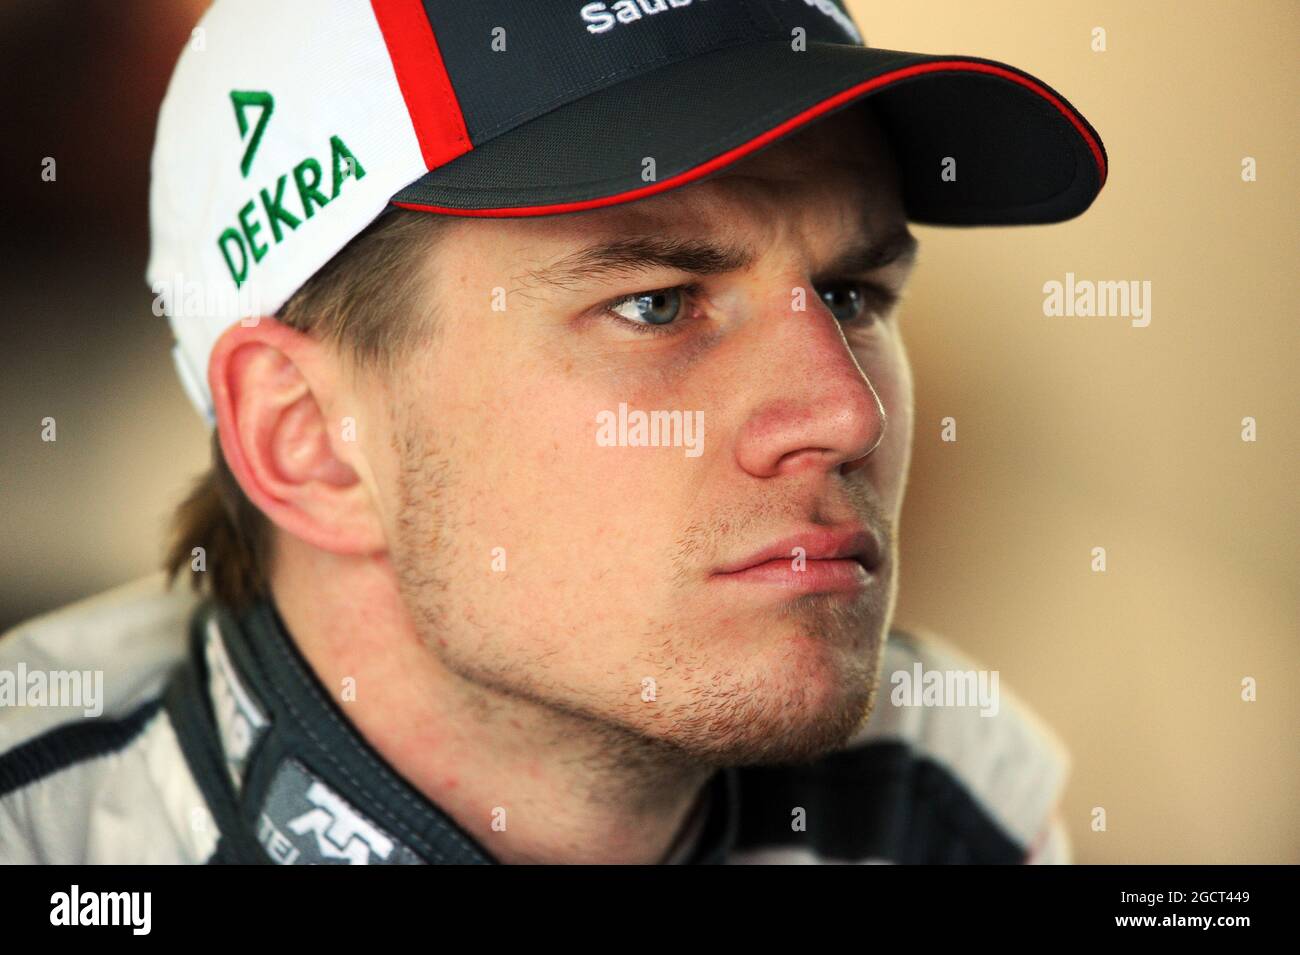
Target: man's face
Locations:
point(538, 558)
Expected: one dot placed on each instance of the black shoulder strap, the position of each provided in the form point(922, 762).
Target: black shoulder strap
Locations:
point(187, 704)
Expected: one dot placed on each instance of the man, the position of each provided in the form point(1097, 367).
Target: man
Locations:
point(553, 516)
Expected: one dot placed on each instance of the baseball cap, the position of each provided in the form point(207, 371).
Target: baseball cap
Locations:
point(288, 127)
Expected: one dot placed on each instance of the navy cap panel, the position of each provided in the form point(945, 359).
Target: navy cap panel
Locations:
point(1019, 159)
point(823, 21)
point(681, 117)
point(550, 52)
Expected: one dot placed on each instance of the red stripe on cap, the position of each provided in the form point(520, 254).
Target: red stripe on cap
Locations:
point(430, 100)
point(731, 155)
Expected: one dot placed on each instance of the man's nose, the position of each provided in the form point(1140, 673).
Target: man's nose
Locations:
point(816, 408)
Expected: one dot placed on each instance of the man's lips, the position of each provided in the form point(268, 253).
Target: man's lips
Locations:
point(839, 554)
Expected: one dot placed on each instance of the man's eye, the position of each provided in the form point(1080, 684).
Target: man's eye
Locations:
point(653, 312)
point(658, 307)
point(857, 301)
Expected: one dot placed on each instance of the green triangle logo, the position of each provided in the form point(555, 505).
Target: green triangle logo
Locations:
point(243, 99)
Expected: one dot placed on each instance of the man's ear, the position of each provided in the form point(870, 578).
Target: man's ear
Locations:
point(270, 384)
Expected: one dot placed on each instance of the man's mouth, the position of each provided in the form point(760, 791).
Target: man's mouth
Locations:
point(842, 558)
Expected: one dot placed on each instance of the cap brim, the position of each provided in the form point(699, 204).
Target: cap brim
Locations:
point(1022, 153)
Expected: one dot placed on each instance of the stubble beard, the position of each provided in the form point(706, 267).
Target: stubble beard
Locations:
point(824, 692)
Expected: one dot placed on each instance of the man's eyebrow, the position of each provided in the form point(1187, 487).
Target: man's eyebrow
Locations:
point(628, 256)
point(868, 255)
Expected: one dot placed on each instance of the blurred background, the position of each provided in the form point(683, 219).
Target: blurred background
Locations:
point(1073, 433)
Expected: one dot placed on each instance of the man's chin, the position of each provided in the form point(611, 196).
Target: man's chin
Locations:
point(793, 716)
point(799, 691)
point(780, 738)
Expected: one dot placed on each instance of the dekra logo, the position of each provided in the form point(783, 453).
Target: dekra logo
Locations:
point(277, 212)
